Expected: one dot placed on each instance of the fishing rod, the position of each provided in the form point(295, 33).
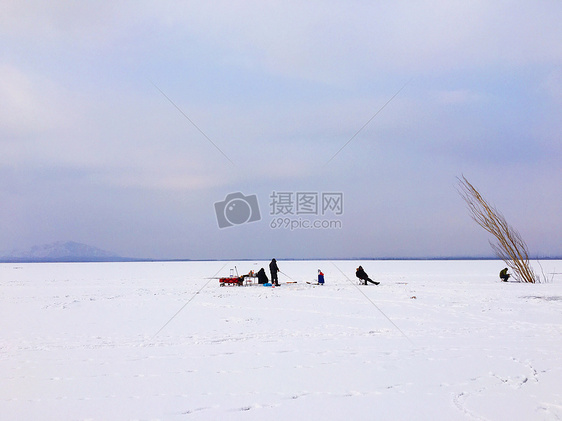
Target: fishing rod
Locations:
point(190, 300)
point(373, 303)
point(287, 276)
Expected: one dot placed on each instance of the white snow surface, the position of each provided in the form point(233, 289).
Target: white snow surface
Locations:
point(436, 340)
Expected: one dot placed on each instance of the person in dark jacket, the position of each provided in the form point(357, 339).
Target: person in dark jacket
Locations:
point(262, 277)
point(504, 275)
point(360, 273)
point(320, 277)
point(273, 268)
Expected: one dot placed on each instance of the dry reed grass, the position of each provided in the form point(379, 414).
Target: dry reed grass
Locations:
point(509, 246)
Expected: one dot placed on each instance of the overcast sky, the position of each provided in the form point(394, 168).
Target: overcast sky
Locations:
point(123, 123)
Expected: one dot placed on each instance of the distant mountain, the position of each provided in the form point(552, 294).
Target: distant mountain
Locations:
point(61, 251)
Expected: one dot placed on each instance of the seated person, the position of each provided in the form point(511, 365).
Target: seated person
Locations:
point(262, 277)
point(361, 274)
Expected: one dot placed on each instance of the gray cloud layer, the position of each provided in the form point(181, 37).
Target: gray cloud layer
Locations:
point(93, 152)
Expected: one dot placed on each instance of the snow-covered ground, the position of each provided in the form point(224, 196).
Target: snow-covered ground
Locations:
point(435, 340)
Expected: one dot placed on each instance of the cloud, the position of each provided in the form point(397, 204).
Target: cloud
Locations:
point(552, 85)
point(331, 43)
point(84, 22)
point(30, 103)
point(457, 96)
point(336, 42)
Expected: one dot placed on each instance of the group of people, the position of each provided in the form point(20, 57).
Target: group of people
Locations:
point(274, 270)
point(359, 273)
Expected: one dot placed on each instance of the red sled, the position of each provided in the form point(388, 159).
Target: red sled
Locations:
point(231, 281)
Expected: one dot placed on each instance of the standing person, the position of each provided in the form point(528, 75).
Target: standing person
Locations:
point(360, 273)
point(273, 268)
point(320, 277)
point(504, 276)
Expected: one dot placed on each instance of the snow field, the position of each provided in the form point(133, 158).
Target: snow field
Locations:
point(438, 340)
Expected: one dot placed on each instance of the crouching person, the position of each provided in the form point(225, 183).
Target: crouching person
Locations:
point(262, 277)
point(504, 276)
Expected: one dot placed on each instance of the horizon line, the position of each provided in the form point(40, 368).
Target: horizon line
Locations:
point(118, 259)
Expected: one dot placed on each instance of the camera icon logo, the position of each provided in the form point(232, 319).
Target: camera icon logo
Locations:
point(237, 209)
